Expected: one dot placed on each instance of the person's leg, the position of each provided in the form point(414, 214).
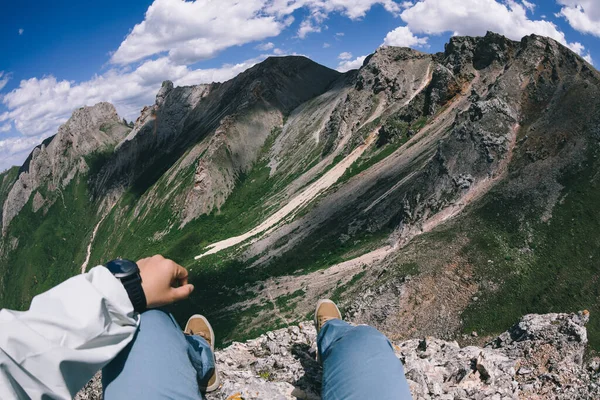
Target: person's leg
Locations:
point(160, 362)
point(359, 363)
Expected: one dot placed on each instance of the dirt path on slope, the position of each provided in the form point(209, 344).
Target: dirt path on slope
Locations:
point(288, 211)
point(89, 247)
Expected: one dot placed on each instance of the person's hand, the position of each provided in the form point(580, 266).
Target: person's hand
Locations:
point(164, 281)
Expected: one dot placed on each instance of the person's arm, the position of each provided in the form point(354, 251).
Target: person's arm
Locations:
point(74, 329)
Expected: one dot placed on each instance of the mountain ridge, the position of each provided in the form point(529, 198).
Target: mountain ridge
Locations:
point(440, 142)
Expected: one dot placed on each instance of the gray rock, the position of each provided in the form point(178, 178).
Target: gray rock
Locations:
point(55, 162)
point(514, 365)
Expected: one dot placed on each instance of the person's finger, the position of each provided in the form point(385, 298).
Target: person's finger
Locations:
point(143, 260)
point(181, 274)
point(182, 292)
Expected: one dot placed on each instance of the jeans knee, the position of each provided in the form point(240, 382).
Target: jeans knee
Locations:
point(155, 313)
point(367, 330)
point(157, 316)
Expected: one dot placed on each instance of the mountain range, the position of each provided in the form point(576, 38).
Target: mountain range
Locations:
point(429, 194)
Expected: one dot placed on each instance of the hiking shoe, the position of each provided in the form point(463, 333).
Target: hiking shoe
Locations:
point(198, 325)
point(326, 311)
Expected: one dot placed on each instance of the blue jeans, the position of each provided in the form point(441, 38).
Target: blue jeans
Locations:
point(359, 363)
point(159, 363)
point(162, 363)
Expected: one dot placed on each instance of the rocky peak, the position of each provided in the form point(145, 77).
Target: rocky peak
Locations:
point(76, 135)
point(172, 103)
point(282, 82)
point(163, 92)
point(393, 70)
point(154, 135)
point(86, 119)
point(56, 161)
point(462, 53)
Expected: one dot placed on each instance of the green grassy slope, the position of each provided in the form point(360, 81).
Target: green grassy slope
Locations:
point(220, 279)
point(539, 266)
point(51, 246)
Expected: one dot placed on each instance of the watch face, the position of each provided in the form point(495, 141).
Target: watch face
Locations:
point(122, 268)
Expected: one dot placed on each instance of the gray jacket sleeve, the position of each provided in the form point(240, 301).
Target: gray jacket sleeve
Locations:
point(67, 335)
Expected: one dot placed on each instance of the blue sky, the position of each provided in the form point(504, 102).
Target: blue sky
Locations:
point(58, 56)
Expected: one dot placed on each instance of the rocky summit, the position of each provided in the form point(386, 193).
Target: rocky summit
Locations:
point(541, 357)
point(436, 195)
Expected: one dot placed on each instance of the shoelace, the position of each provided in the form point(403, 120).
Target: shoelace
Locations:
point(324, 318)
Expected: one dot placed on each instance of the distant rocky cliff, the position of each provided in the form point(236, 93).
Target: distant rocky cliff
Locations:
point(54, 163)
point(541, 357)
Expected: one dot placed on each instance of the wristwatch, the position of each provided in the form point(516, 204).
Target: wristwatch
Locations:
point(128, 273)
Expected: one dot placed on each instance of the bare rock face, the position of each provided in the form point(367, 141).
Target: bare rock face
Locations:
point(167, 114)
point(57, 160)
point(541, 357)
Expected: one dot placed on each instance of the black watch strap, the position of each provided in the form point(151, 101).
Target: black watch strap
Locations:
point(133, 286)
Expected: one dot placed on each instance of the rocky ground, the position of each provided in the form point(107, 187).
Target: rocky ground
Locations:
point(541, 357)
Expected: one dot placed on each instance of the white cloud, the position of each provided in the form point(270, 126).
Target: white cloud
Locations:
point(307, 26)
point(347, 65)
point(340, 34)
point(319, 10)
point(475, 17)
point(14, 150)
point(528, 5)
point(588, 58)
point(21, 30)
point(289, 20)
point(5, 127)
point(403, 37)
point(4, 78)
point(278, 52)
point(194, 30)
point(352, 9)
point(345, 55)
point(582, 15)
point(326, 45)
point(190, 31)
point(265, 46)
point(577, 47)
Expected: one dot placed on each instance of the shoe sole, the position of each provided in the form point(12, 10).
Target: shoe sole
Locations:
point(316, 322)
point(217, 382)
